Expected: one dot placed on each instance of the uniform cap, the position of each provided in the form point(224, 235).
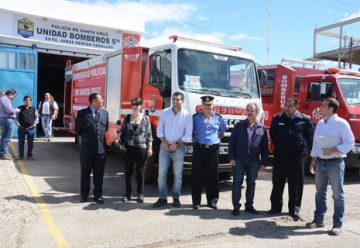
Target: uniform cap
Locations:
point(207, 99)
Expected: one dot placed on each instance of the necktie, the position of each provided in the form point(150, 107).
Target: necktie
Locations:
point(96, 115)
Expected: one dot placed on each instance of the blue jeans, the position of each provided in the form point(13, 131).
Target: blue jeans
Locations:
point(46, 122)
point(7, 126)
point(177, 157)
point(332, 172)
point(250, 169)
point(29, 134)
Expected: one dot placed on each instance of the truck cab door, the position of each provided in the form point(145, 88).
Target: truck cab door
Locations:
point(160, 75)
point(314, 94)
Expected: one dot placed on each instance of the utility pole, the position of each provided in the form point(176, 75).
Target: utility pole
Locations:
point(268, 34)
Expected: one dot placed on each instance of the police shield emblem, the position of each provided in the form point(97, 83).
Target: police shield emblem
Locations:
point(25, 28)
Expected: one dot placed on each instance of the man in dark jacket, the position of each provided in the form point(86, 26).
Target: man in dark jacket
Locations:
point(91, 125)
point(26, 120)
point(248, 151)
point(292, 133)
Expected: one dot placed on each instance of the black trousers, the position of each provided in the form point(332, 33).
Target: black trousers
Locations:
point(92, 163)
point(205, 166)
point(137, 156)
point(290, 168)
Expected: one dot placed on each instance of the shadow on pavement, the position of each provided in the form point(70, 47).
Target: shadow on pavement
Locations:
point(264, 229)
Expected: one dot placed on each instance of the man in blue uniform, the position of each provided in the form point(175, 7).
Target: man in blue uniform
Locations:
point(291, 132)
point(208, 129)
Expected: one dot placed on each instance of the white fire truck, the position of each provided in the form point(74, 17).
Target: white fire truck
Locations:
point(193, 67)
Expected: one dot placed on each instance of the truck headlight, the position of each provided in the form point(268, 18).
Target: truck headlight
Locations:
point(188, 149)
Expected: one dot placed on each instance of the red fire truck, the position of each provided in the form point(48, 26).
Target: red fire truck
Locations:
point(193, 67)
point(310, 86)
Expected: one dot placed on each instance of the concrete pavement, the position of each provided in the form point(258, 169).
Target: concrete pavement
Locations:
point(55, 213)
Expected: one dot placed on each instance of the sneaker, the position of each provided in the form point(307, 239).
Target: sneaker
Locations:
point(335, 231)
point(236, 212)
point(251, 210)
point(177, 203)
point(140, 198)
point(160, 203)
point(315, 224)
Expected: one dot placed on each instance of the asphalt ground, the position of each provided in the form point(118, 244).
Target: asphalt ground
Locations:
point(40, 208)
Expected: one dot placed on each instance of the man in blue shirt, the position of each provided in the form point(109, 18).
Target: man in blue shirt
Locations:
point(174, 130)
point(7, 121)
point(208, 129)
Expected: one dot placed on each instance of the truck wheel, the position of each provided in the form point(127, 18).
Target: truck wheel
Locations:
point(151, 171)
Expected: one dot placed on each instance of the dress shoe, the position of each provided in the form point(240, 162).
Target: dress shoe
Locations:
point(20, 158)
point(335, 231)
point(30, 158)
point(212, 205)
point(83, 199)
point(196, 206)
point(315, 224)
point(274, 211)
point(251, 210)
point(127, 197)
point(160, 203)
point(99, 200)
point(177, 203)
point(140, 198)
point(295, 216)
point(6, 158)
point(236, 212)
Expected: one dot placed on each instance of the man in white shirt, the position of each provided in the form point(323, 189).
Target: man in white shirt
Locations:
point(48, 110)
point(174, 130)
point(333, 139)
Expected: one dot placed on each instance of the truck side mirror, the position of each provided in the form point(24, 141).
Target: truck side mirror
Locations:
point(263, 77)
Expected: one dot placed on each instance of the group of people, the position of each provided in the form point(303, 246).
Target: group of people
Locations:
point(291, 133)
point(25, 117)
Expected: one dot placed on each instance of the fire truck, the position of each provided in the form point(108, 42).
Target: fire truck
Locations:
point(310, 86)
point(196, 68)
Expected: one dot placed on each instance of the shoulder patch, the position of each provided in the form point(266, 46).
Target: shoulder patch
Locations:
point(305, 116)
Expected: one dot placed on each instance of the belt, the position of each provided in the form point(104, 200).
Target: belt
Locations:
point(329, 159)
point(205, 145)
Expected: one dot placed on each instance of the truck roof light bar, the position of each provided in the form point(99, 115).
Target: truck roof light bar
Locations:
point(334, 70)
point(186, 39)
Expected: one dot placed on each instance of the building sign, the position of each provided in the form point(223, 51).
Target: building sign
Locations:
point(131, 40)
point(69, 34)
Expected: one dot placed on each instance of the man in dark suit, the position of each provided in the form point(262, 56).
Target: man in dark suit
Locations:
point(91, 125)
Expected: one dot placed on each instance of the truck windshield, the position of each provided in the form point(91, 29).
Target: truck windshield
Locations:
point(351, 90)
point(215, 74)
